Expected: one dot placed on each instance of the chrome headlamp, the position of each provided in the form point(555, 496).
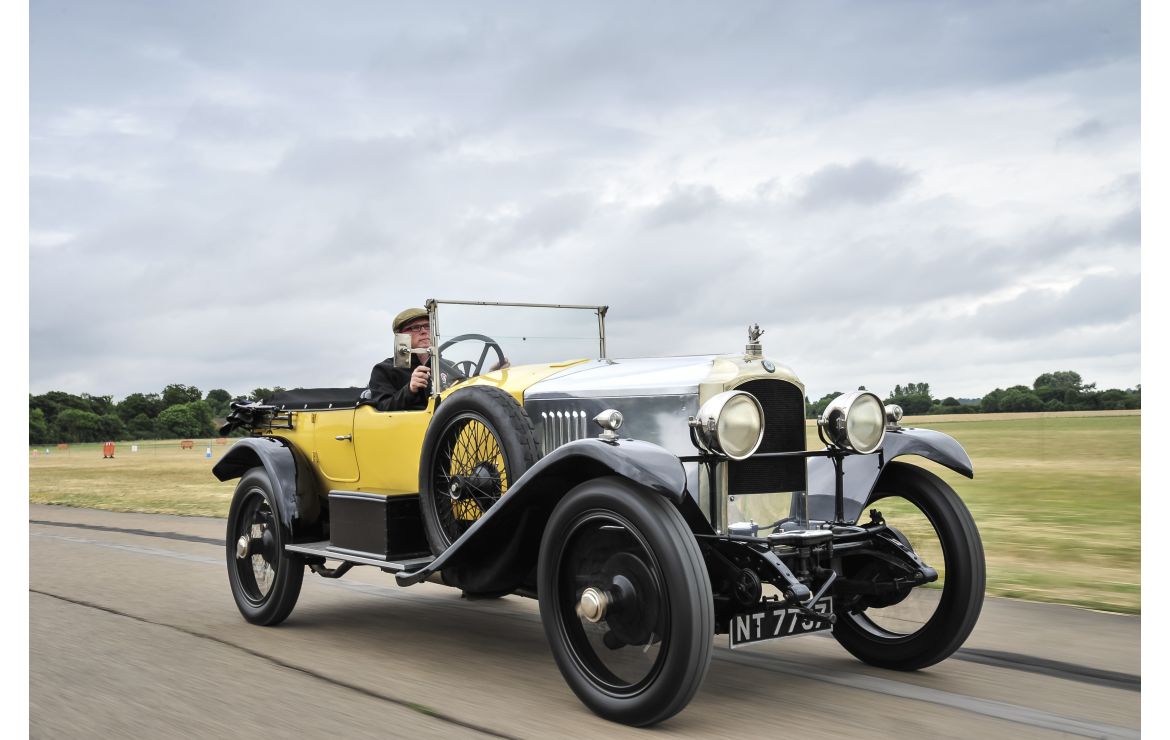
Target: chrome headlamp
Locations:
point(854, 421)
point(730, 423)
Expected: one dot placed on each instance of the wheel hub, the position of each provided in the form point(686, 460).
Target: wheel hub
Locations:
point(242, 547)
point(592, 605)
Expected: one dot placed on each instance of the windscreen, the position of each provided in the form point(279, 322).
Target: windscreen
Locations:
point(478, 338)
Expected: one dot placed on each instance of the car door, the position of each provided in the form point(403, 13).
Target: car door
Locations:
point(388, 445)
point(333, 445)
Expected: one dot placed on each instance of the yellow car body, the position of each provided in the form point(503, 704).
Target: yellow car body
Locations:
point(365, 450)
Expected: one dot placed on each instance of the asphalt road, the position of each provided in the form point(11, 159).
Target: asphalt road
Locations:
point(133, 632)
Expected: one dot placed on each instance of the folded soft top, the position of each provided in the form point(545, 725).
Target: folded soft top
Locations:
point(316, 398)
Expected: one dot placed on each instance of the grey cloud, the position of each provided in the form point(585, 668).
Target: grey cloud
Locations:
point(1125, 229)
point(1127, 186)
point(554, 218)
point(684, 203)
point(1096, 300)
point(864, 182)
point(283, 165)
point(1086, 131)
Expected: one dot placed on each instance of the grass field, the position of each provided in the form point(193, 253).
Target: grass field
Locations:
point(1057, 497)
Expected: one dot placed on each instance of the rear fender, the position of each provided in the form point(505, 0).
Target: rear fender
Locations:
point(498, 553)
point(863, 471)
point(295, 498)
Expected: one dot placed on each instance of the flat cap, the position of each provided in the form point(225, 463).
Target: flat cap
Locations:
point(408, 315)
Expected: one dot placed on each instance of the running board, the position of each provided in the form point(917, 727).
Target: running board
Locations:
point(323, 549)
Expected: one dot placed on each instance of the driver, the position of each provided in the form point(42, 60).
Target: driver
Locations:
point(399, 388)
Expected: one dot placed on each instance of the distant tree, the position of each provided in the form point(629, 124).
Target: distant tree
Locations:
point(1020, 398)
point(53, 402)
point(990, 403)
point(38, 428)
point(112, 428)
point(914, 398)
point(263, 394)
point(951, 401)
point(176, 394)
point(75, 425)
point(100, 405)
point(186, 420)
point(219, 400)
point(815, 409)
point(1065, 386)
point(141, 427)
point(1112, 399)
point(144, 404)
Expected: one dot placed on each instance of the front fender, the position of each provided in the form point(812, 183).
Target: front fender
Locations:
point(277, 457)
point(862, 471)
point(498, 553)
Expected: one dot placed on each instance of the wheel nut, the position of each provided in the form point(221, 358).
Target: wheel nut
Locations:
point(592, 605)
point(242, 547)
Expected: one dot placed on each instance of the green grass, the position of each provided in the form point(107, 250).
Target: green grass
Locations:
point(1057, 498)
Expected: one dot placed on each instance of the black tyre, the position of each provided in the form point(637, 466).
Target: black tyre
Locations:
point(626, 601)
point(265, 579)
point(929, 623)
point(478, 444)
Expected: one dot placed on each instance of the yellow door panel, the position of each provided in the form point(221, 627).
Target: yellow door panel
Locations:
point(333, 438)
point(388, 446)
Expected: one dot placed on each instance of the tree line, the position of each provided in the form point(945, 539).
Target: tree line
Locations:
point(184, 411)
point(1063, 390)
point(178, 411)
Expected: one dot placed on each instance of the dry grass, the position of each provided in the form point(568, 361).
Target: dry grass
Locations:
point(159, 478)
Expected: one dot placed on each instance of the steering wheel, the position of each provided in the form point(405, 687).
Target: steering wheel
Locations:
point(467, 367)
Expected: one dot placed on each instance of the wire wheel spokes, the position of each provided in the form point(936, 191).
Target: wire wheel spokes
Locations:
point(471, 473)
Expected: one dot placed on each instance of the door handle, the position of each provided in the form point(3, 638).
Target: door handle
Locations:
point(344, 437)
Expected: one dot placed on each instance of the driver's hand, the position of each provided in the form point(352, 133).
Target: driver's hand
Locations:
point(501, 365)
point(420, 378)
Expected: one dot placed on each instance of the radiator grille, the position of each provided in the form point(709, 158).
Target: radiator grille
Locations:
point(783, 432)
point(562, 427)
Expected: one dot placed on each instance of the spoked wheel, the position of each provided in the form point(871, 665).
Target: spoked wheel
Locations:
point(479, 442)
point(470, 473)
point(920, 626)
point(265, 580)
point(625, 601)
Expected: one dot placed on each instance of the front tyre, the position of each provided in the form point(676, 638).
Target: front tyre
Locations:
point(265, 579)
point(625, 601)
point(929, 623)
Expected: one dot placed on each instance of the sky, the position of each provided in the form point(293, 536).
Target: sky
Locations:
point(236, 195)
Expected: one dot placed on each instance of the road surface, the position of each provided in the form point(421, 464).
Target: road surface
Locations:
point(133, 632)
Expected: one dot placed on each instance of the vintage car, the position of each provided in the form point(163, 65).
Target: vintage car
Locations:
point(692, 509)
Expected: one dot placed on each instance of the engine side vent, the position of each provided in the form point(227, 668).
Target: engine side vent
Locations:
point(561, 427)
point(784, 427)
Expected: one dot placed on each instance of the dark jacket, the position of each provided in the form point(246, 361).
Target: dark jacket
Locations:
point(390, 386)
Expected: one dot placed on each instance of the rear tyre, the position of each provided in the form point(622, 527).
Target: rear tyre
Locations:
point(479, 442)
point(625, 601)
point(929, 623)
point(265, 580)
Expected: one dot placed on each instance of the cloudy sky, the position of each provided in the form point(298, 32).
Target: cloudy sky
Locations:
point(235, 195)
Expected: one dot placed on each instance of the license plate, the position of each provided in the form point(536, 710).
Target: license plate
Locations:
point(772, 623)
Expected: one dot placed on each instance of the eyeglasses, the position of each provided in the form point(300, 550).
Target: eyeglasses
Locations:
point(416, 328)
